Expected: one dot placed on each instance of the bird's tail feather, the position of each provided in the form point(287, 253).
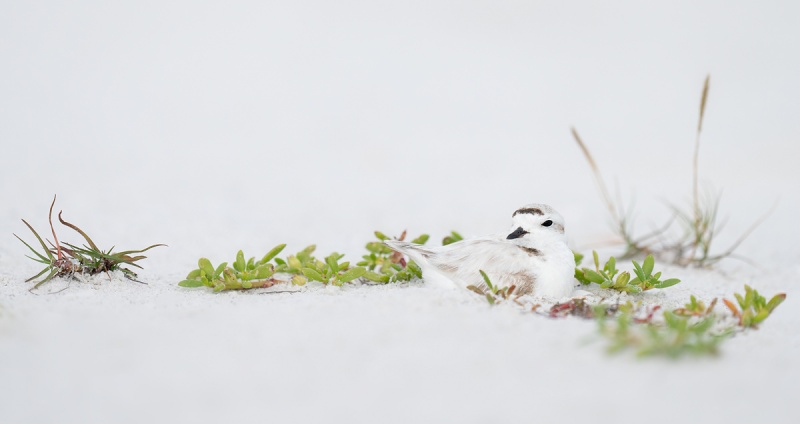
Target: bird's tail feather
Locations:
point(415, 251)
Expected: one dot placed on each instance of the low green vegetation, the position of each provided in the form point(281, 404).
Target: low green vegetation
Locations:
point(754, 307)
point(609, 277)
point(379, 264)
point(452, 238)
point(493, 293)
point(63, 259)
point(676, 336)
point(384, 265)
point(693, 329)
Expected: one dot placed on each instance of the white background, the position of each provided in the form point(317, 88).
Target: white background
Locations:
point(215, 126)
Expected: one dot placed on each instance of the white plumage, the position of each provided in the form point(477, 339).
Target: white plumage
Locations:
point(533, 256)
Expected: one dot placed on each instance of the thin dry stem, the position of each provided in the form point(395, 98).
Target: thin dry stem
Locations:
point(695, 169)
point(597, 177)
point(60, 255)
point(744, 235)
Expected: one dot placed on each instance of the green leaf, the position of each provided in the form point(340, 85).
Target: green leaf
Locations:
point(761, 316)
point(452, 238)
point(578, 258)
point(49, 277)
point(672, 320)
point(775, 301)
point(611, 266)
point(637, 269)
point(487, 280)
point(375, 277)
point(422, 239)
point(264, 271)
point(194, 274)
point(593, 276)
point(191, 283)
point(381, 236)
point(272, 253)
point(647, 267)
point(747, 317)
point(219, 270)
point(306, 253)
point(633, 289)
point(415, 269)
point(239, 265)
point(47, 268)
point(581, 277)
point(42, 259)
point(352, 274)
point(229, 276)
point(205, 265)
point(313, 275)
point(41, 242)
point(294, 263)
point(596, 260)
point(749, 295)
point(740, 300)
point(299, 280)
point(332, 263)
point(666, 283)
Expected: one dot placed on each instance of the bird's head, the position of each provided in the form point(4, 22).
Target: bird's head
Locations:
point(536, 221)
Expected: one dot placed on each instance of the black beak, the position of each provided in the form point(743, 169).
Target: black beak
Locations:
point(519, 232)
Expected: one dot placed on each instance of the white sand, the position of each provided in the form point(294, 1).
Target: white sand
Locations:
point(218, 128)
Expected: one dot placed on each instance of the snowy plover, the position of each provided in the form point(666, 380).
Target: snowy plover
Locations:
point(533, 256)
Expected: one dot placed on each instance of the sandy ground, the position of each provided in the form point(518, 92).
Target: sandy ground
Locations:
point(112, 350)
point(222, 127)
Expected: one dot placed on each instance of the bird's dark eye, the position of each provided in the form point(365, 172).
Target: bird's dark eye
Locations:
point(547, 223)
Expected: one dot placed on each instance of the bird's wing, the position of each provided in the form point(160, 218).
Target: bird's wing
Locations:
point(466, 258)
point(505, 263)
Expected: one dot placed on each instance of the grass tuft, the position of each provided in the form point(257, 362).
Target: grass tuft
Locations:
point(68, 260)
point(699, 225)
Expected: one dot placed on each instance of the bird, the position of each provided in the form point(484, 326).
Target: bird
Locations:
point(533, 256)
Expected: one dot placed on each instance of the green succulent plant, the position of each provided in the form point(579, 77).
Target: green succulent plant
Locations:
point(493, 294)
point(677, 336)
point(610, 277)
point(754, 307)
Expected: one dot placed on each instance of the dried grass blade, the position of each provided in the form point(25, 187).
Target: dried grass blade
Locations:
point(128, 252)
point(597, 176)
point(79, 231)
point(52, 229)
point(695, 168)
